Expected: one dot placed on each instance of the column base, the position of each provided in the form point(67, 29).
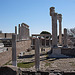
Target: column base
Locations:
point(56, 53)
point(14, 63)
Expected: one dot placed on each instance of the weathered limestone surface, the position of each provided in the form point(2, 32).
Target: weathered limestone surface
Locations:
point(54, 26)
point(20, 46)
point(60, 28)
point(24, 31)
point(14, 56)
point(56, 51)
point(37, 54)
point(65, 37)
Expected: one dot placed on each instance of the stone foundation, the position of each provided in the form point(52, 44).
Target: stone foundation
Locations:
point(68, 51)
point(56, 53)
point(11, 70)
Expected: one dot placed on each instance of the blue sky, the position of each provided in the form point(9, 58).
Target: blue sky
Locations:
point(35, 13)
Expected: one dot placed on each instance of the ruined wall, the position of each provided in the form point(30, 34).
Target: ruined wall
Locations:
point(68, 51)
point(6, 35)
point(7, 55)
point(23, 45)
point(24, 31)
point(9, 35)
point(2, 35)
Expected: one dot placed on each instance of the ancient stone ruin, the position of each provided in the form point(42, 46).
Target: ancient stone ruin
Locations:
point(56, 50)
point(23, 31)
point(21, 42)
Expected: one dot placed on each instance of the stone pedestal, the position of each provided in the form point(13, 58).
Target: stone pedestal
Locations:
point(56, 53)
point(14, 58)
point(37, 54)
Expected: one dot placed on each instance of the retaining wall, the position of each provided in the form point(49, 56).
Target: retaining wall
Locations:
point(20, 46)
point(68, 51)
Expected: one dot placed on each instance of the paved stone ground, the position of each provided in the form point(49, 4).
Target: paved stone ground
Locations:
point(62, 64)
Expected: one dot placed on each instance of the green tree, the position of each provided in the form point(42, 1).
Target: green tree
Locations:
point(46, 32)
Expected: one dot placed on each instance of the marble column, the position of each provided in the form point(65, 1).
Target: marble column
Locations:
point(14, 57)
point(60, 28)
point(37, 54)
point(65, 37)
point(16, 30)
point(54, 26)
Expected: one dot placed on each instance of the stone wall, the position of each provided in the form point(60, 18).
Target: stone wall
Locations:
point(2, 35)
point(6, 35)
point(7, 55)
point(68, 51)
point(11, 70)
point(23, 45)
point(9, 35)
point(24, 31)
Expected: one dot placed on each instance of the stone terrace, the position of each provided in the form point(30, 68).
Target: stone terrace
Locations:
point(51, 64)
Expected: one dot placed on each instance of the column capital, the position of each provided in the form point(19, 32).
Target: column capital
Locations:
point(60, 17)
point(52, 10)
